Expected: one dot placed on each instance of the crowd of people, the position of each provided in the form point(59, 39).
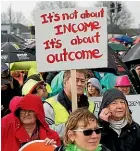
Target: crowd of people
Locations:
point(32, 110)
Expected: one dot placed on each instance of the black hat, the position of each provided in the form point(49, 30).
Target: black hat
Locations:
point(111, 95)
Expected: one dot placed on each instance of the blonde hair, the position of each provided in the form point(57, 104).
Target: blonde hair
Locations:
point(81, 114)
point(128, 116)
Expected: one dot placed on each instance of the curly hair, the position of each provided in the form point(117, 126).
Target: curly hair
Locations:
point(81, 114)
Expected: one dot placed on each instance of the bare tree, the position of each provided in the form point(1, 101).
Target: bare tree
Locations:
point(11, 15)
point(4, 18)
point(123, 18)
point(20, 18)
point(53, 5)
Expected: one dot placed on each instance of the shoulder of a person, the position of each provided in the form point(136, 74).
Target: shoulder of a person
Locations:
point(9, 118)
point(103, 122)
point(105, 148)
point(135, 124)
point(10, 121)
point(52, 98)
point(60, 148)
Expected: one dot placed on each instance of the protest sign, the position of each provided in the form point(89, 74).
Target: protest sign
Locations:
point(72, 38)
point(133, 101)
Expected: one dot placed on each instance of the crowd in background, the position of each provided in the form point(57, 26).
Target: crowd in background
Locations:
point(39, 106)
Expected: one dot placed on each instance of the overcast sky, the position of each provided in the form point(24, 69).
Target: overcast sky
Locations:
point(27, 6)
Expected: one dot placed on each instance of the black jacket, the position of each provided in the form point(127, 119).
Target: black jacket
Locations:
point(64, 100)
point(62, 148)
point(129, 139)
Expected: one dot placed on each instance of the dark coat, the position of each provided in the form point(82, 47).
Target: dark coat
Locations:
point(50, 77)
point(64, 100)
point(129, 139)
point(62, 148)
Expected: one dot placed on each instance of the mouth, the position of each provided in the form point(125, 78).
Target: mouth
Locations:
point(119, 111)
point(27, 118)
point(80, 89)
point(93, 143)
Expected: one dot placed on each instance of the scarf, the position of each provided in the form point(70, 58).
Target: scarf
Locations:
point(73, 147)
point(118, 125)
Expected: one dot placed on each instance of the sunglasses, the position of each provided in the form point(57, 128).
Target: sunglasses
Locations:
point(88, 132)
point(27, 111)
point(41, 86)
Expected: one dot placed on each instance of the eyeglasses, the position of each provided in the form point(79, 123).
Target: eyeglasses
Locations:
point(40, 86)
point(88, 132)
point(27, 111)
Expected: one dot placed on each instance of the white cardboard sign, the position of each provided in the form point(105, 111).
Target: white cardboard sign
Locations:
point(133, 101)
point(72, 38)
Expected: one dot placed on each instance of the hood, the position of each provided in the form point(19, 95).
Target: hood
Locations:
point(32, 71)
point(34, 103)
point(109, 96)
point(14, 103)
point(95, 82)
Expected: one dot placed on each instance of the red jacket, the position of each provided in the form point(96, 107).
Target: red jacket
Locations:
point(13, 133)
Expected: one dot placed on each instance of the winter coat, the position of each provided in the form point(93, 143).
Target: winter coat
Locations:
point(66, 108)
point(108, 81)
point(129, 139)
point(50, 77)
point(14, 134)
point(57, 83)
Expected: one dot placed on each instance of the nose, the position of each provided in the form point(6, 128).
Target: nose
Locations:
point(79, 82)
point(26, 113)
point(124, 88)
point(119, 105)
point(93, 135)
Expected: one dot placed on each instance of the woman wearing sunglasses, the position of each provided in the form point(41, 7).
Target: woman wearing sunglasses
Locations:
point(82, 133)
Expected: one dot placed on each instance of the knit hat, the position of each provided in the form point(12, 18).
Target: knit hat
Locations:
point(111, 95)
point(95, 82)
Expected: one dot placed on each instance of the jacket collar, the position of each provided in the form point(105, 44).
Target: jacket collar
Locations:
point(22, 135)
point(64, 100)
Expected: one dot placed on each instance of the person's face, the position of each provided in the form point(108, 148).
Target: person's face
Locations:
point(42, 91)
point(27, 117)
point(124, 89)
point(16, 73)
point(138, 70)
point(117, 109)
point(92, 90)
point(88, 143)
point(80, 83)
